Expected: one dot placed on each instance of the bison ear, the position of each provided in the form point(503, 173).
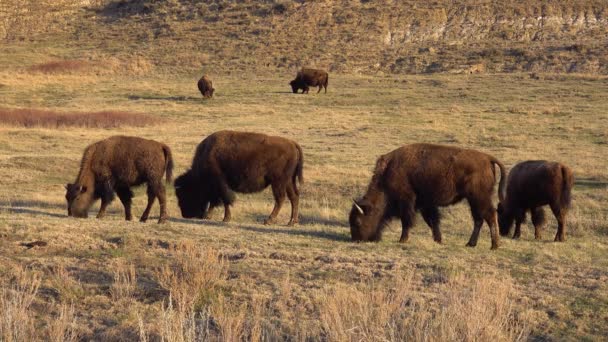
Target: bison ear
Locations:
point(67, 186)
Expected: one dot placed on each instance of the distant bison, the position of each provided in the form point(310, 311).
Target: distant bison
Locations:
point(532, 184)
point(114, 165)
point(309, 78)
point(226, 162)
point(424, 177)
point(205, 86)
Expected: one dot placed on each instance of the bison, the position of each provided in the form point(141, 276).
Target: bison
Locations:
point(309, 77)
point(226, 162)
point(531, 185)
point(205, 87)
point(114, 165)
point(424, 177)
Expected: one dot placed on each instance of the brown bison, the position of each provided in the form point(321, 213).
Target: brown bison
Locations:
point(309, 78)
point(205, 87)
point(226, 162)
point(532, 184)
point(424, 177)
point(114, 165)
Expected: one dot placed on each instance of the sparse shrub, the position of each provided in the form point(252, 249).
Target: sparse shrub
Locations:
point(50, 119)
point(125, 280)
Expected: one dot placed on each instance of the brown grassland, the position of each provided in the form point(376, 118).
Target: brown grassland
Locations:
point(73, 72)
point(189, 279)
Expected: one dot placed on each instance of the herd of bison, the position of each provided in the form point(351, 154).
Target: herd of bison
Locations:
point(417, 177)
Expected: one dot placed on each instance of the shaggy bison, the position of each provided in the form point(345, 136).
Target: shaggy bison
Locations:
point(114, 165)
point(205, 87)
point(309, 78)
point(532, 184)
point(424, 177)
point(226, 162)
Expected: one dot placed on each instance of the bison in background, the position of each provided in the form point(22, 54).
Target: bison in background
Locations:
point(424, 177)
point(227, 162)
point(205, 86)
point(309, 78)
point(532, 184)
point(114, 165)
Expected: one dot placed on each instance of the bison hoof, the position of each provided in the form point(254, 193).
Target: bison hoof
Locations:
point(494, 247)
point(226, 219)
point(268, 221)
point(293, 223)
point(162, 220)
point(471, 244)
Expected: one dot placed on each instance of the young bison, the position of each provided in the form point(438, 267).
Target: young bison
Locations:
point(309, 78)
point(205, 86)
point(532, 184)
point(226, 162)
point(424, 177)
point(116, 164)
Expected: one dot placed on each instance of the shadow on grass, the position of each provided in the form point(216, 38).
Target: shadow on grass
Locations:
point(165, 98)
point(589, 183)
point(268, 229)
point(13, 210)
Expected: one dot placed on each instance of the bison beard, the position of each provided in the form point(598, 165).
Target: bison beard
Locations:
point(424, 177)
point(227, 162)
point(114, 165)
point(531, 185)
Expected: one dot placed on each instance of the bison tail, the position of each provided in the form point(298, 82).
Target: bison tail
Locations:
point(503, 179)
point(326, 82)
point(299, 174)
point(567, 181)
point(168, 163)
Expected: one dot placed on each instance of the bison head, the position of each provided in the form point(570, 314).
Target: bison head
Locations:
point(189, 196)
point(505, 219)
point(79, 199)
point(365, 221)
point(295, 86)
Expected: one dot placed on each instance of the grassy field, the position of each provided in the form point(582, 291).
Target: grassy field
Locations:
point(114, 280)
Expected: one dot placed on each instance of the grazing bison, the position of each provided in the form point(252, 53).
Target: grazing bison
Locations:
point(205, 87)
point(114, 165)
point(226, 162)
point(424, 177)
point(309, 78)
point(532, 184)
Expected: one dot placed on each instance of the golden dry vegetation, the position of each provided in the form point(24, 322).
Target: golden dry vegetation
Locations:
point(207, 280)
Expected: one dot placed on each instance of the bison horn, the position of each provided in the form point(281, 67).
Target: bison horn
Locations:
point(358, 207)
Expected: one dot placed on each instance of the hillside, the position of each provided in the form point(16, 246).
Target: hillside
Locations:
point(341, 36)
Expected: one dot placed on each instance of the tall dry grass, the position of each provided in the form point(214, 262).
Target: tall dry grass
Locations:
point(61, 67)
point(51, 119)
point(17, 323)
point(469, 310)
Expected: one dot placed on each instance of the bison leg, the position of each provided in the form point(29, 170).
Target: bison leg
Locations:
point(227, 214)
point(125, 195)
point(432, 218)
point(538, 220)
point(209, 214)
point(102, 209)
point(492, 220)
point(560, 215)
point(520, 217)
point(294, 198)
point(162, 201)
point(151, 197)
point(278, 191)
point(481, 212)
point(408, 215)
point(320, 87)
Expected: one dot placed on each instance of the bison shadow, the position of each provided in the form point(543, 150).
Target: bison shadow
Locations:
point(165, 98)
point(267, 229)
point(589, 183)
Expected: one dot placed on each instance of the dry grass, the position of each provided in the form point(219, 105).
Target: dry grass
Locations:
point(468, 310)
point(60, 67)
point(51, 119)
point(193, 279)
